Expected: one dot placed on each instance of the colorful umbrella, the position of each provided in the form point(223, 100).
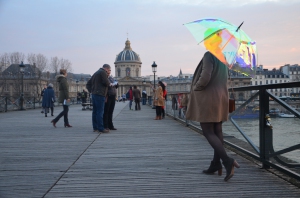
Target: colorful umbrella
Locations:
point(227, 42)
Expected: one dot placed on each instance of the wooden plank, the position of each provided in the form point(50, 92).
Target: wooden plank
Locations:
point(143, 158)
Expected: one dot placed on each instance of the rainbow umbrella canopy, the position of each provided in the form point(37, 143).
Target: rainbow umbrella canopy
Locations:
point(229, 43)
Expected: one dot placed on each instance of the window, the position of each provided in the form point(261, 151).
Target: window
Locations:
point(271, 81)
point(119, 72)
point(260, 82)
point(267, 82)
point(127, 71)
point(275, 81)
point(255, 82)
point(6, 87)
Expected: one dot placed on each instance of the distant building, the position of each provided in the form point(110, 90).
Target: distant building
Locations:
point(293, 71)
point(265, 77)
point(34, 81)
point(128, 66)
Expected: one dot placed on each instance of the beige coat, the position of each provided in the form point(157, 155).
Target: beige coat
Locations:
point(208, 100)
point(159, 99)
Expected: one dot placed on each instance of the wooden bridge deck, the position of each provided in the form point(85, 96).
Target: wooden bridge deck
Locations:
point(143, 158)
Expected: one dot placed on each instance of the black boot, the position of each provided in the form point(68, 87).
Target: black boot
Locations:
point(214, 166)
point(229, 166)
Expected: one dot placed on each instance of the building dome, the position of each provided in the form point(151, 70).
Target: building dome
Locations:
point(127, 55)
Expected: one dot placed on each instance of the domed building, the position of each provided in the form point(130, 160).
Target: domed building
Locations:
point(128, 70)
point(128, 63)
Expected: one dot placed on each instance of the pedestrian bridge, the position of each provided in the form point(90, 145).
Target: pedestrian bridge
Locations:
point(143, 158)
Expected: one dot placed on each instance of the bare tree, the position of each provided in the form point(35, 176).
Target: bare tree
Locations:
point(16, 57)
point(4, 62)
point(66, 64)
point(54, 65)
point(39, 63)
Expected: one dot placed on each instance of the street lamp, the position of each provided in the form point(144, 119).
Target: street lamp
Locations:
point(22, 69)
point(154, 69)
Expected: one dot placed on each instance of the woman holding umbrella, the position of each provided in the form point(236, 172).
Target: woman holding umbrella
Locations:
point(208, 103)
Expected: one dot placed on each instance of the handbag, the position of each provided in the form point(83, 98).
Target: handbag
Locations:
point(231, 100)
point(231, 105)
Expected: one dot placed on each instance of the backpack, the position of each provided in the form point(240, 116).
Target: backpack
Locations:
point(128, 95)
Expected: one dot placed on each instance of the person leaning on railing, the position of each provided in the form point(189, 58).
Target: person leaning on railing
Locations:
point(159, 99)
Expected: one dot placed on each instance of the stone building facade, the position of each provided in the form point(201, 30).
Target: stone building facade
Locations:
point(128, 71)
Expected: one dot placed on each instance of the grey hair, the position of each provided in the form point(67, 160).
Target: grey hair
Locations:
point(107, 66)
point(50, 85)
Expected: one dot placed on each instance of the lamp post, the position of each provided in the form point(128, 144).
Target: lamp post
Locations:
point(154, 69)
point(22, 69)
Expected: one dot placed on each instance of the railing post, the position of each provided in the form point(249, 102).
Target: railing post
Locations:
point(264, 130)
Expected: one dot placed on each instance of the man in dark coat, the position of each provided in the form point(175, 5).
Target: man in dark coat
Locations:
point(110, 104)
point(98, 86)
point(137, 97)
point(48, 99)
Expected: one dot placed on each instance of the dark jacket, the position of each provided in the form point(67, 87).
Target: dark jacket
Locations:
point(144, 95)
point(112, 89)
point(48, 98)
point(99, 83)
point(63, 88)
point(136, 93)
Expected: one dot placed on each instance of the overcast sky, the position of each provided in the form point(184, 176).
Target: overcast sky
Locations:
point(90, 33)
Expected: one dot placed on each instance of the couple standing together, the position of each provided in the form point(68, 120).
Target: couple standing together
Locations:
point(103, 97)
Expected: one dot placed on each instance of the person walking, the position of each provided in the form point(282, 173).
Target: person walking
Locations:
point(144, 97)
point(97, 86)
point(42, 95)
point(48, 99)
point(208, 104)
point(129, 96)
point(183, 105)
point(83, 96)
point(137, 97)
point(110, 105)
point(124, 97)
point(159, 100)
point(63, 97)
point(163, 112)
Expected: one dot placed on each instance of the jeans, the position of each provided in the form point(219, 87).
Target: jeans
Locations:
point(98, 110)
point(108, 112)
point(63, 113)
point(137, 104)
point(130, 104)
point(144, 101)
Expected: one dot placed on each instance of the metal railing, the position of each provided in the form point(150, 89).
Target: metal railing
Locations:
point(12, 104)
point(264, 151)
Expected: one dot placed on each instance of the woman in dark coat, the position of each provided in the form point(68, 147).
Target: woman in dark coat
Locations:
point(48, 99)
point(63, 97)
point(208, 104)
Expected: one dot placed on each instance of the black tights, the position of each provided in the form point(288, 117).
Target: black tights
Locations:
point(213, 133)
